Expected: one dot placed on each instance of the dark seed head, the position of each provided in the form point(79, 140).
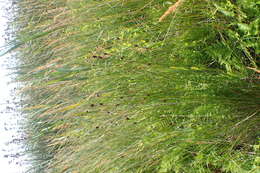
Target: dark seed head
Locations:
point(92, 105)
point(238, 147)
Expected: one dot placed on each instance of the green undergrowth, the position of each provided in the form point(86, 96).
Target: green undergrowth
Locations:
point(110, 89)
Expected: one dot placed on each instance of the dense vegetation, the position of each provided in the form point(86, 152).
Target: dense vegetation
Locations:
point(108, 88)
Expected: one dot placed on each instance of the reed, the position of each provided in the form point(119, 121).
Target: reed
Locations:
point(108, 88)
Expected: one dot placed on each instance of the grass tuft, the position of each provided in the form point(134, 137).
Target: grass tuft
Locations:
point(109, 88)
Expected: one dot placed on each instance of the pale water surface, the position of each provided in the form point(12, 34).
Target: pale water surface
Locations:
point(12, 138)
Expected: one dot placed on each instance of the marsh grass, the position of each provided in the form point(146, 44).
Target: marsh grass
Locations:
point(110, 89)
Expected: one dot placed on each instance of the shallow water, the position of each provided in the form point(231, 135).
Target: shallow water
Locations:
point(12, 138)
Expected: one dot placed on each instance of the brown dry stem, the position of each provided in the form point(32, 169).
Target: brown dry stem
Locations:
point(171, 10)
